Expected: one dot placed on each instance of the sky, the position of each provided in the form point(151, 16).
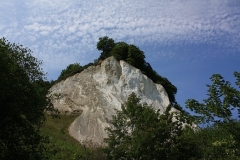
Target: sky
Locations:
point(185, 41)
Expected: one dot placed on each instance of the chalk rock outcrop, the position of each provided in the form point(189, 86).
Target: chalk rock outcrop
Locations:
point(98, 91)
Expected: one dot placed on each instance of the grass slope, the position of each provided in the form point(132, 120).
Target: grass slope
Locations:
point(66, 146)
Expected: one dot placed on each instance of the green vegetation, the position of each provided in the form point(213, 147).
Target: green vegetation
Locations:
point(105, 45)
point(22, 104)
point(223, 99)
point(216, 143)
point(70, 70)
point(129, 53)
point(222, 136)
point(137, 131)
point(66, 147)
point(140, 132)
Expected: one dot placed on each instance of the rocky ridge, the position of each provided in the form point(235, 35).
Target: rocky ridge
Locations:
point(99, 91)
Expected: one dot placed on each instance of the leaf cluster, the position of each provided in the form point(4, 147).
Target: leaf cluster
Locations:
point(217, 112)
point(140, 132)
point(222, 100)
point(71, 70)
point(22, 103)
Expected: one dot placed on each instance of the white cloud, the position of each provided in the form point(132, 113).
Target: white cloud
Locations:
point(54, 29)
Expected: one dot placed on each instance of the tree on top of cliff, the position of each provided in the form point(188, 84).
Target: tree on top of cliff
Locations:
point(70, 70)
point(134, 56)
point(105, 45)
point(130, 54)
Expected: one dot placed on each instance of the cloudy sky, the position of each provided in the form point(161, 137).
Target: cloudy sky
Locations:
point(185, 41)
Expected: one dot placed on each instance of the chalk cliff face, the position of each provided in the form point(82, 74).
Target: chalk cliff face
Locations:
point(98, 91)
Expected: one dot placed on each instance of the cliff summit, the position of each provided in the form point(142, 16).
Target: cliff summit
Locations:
point(99, 91)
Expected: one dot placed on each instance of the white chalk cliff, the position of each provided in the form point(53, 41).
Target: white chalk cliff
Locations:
point(98, 91)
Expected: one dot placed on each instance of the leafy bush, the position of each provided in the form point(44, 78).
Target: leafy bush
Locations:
point(22, 104)
point(70, 70)
point(139, 132)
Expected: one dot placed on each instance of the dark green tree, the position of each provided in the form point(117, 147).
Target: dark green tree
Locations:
point(135, 57)
point(105, 45)
point(169, 87)
point(129, 53)
point(120, 51)
point(222, 100)
point(217, 110)
point(140, 132)
point(70, 71)
point(22, 104)
point(215, 143)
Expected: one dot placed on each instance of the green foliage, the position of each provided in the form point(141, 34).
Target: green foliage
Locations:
point(217, 110)
point(223, 98)
point(168, 86)
point(129, 53)
point(140, 132)
point(66, 146)
point(120, 51)
point(70, 70)
point(105, 45)
point(22, 104)
point(215, 143)
point(134, 56)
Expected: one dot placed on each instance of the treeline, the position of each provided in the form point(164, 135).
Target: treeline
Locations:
point(71, 70)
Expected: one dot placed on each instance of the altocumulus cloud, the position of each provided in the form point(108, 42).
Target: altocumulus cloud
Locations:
point(61, 32)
